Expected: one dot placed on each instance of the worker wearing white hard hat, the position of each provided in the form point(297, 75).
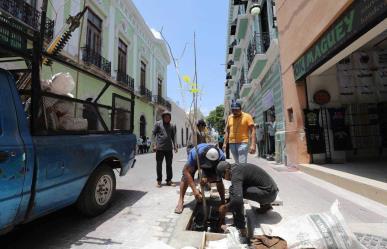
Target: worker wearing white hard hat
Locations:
point(209, 157)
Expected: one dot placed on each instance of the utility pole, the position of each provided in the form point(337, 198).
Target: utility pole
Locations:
point(195, 96)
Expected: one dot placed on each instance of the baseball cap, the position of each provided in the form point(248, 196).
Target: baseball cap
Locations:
point(222, 166)
point(236, 106)
point(201, 122)
point(211, 159)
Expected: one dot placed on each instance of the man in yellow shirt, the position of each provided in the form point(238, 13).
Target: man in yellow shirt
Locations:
point(240, 131)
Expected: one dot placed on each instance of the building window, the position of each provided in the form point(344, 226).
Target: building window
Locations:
point(142, 126)
point(143, 74)
point(160, 87)
point(94, 30)
point(122, 113)
point(290, 115)
point(122, 56)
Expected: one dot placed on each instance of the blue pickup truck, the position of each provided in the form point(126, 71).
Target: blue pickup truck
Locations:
point(40, 174)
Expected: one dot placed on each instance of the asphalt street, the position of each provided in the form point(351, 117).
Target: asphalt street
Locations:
point(142, 213)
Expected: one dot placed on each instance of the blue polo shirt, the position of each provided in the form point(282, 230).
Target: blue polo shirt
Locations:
point(201, 147)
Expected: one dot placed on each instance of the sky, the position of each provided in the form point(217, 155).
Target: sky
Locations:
point(178, 20)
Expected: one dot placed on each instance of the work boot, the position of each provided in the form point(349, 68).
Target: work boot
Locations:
point(170, 183)
point(264, 208)
point(158, 185)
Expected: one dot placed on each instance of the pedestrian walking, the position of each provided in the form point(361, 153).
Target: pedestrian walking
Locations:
point(209, 157)
point(144, 145)
point(260, 140)
point(139, 145)
point(220, 141)
point(239, 132)
point(201, 136)
point(148, 144)
point(164, 134)
point(248, 181)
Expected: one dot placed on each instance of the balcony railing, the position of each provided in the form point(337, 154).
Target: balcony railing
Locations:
point(258, 45)
point(160, 100)
point(242, 82)
point(169, 105)
point(92, 57)
point(50, 25)
point(27, 14)
point(22, 11)
point(125, 80)
point(146, 93)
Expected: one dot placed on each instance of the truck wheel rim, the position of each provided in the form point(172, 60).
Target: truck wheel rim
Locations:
point(104, 190)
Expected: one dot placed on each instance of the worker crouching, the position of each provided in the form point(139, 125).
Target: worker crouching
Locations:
point(209, 158)
point(248, 181)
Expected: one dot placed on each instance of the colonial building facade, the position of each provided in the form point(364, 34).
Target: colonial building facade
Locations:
point(114, 42)
point(333, 66)
point(253, 68)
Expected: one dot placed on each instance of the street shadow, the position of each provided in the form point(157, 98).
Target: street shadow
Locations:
point(68, 227)
point(255, 220)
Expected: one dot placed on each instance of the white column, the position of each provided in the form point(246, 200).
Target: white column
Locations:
point(112, 36)
point(136, 64)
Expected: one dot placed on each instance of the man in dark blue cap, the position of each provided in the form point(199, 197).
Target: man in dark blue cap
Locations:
point(240, 131)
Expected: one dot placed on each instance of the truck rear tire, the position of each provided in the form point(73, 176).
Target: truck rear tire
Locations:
point(98, 192)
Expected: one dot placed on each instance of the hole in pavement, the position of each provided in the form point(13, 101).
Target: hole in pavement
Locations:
point(212, 224)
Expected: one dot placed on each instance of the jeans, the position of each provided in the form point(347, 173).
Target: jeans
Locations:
point(272, 145)
point(160, 154)
point(239, 152)
point(254, 194)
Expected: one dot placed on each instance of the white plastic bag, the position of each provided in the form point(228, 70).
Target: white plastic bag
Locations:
point(320, 231)
point(234, 239)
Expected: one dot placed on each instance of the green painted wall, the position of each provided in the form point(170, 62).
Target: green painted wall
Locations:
point(87, 87)
point(90, 87)
point(142, 108)
point(271, 81)
point(128, 39)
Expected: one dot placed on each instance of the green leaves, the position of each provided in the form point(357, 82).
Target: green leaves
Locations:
point(216, 118)
point(192, 87)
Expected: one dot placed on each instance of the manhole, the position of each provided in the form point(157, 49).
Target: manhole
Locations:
point(212, 224)
point(372, 241)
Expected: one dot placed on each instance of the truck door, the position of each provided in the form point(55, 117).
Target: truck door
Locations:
point(12, 155)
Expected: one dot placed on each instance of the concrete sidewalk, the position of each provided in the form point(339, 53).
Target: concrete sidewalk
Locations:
point(345, 178)
point(302, 193)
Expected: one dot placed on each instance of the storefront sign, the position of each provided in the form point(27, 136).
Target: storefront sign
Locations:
point(268, 100)
point(360, 17)
point(321, 97)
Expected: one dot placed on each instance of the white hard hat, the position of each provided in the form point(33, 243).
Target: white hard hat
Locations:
point(212, 154)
